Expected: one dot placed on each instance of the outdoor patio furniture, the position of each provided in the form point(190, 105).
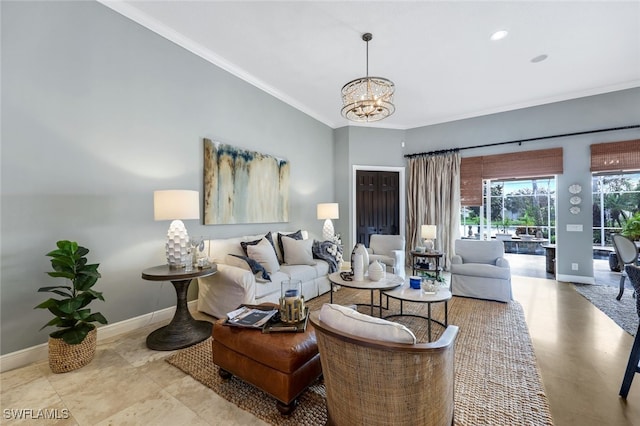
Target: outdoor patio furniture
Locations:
point(627, 253)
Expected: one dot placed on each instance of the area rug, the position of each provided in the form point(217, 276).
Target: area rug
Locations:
point(497, 378)
point(623, 312)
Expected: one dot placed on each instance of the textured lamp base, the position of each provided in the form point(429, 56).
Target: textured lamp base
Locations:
point(327, 230)
point(177, 246)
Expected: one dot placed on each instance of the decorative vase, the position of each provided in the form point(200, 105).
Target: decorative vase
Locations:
point(376, 271)
point(361, 249)
point(64, 357)
point(358, 267)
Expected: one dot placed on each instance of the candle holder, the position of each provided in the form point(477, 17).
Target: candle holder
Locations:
point(292, 309)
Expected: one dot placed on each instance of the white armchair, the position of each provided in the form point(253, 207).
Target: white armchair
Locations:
point(479, 270)
point(389, 250)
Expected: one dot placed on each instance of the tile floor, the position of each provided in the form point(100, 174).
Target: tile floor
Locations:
point(581, 354)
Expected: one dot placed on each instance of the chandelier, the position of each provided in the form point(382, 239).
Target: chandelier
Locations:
point(368, 99)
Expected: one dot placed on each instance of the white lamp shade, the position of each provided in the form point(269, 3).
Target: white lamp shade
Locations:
point(328, 211)
point(428, 232)
point(176, 204)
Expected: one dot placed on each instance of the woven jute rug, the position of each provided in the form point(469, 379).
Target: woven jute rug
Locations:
point(497, 378)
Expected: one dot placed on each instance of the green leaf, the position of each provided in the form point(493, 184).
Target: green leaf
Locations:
point(61, 275)
point(70, 305)
point(74, 335)
point(51, 288)
point(47, 304)
point(96, 317)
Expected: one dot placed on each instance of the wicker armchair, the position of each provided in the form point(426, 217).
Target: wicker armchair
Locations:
point(371, 382)
point(633, 366)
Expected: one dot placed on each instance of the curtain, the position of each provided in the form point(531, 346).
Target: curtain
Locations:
point(434, 199)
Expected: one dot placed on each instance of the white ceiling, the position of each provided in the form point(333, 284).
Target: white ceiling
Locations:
point(438, 54)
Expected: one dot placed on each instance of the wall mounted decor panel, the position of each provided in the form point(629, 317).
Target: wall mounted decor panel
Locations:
point(242, 186)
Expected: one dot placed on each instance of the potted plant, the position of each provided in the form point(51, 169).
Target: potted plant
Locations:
point(631, 228)
point(73, 345)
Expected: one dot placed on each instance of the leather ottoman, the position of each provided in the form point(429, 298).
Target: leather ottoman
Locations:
point(281, 364)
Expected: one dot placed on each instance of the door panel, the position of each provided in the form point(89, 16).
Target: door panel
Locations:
point(377, 204)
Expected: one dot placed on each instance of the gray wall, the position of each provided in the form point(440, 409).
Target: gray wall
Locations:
point(361, 146)
point(97, 113)
point(616, 109)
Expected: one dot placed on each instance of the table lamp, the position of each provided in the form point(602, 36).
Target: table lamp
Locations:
point(328, 211)
point(176, 205)
point(428, 234)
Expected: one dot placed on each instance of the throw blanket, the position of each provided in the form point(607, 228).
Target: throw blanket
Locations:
point(327, 251)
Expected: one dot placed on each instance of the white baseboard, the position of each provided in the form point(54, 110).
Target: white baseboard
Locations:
point(575, 279)
point(40, 352)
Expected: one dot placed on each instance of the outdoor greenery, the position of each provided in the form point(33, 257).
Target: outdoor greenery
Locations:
point(616, 199)
point(528, 206)
point(631, 227)
point(525, 206)
point(71, 314)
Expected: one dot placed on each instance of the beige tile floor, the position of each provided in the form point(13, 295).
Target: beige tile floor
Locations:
point(581, 353)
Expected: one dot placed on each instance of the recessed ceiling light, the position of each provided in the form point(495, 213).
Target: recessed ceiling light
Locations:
point(539, 58)
point(499, 35)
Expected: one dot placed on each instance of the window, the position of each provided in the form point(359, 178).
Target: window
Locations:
point(616, 197)
point(525, 206)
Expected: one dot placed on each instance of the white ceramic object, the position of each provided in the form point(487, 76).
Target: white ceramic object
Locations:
point(361, 249)
point(358, 267)
point(376, 271)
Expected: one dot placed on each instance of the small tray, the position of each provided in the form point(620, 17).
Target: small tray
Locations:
point(282, 327)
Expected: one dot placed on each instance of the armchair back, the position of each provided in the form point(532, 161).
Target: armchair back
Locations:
point(374, 382)
point(479, 251)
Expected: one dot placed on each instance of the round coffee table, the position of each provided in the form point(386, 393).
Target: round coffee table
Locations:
point(389, 282)
point(405, 293)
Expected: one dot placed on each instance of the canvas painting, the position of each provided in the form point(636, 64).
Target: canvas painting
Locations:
point(242, 186)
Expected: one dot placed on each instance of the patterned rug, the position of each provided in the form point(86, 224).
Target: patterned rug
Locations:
point(623, 312)
point(497, 378)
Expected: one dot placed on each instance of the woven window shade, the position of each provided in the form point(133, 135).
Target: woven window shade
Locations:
point(526, 164)
point(615, 156)
point(544, 162)
point(471, 181)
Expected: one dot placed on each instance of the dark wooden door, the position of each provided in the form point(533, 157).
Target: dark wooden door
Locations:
point(377, 204)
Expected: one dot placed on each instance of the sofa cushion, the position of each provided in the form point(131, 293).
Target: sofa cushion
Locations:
point(297, 252)
point(481, 270)
point(303, 273)
point(295, 235)
point(269, 238)
point(353, 322)
point(387, 260)
point(246, 262)
point(263, 253)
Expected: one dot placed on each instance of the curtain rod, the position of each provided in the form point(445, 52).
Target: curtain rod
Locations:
point(519, 141)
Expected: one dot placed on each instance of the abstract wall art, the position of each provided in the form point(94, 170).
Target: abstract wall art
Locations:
point(242, 186)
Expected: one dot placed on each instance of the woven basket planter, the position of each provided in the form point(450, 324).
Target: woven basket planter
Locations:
point(64, 357)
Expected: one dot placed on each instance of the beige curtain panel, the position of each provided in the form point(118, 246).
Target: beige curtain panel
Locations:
point(434, 199)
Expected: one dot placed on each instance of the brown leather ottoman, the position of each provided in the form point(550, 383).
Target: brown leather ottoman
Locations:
point(281, 364)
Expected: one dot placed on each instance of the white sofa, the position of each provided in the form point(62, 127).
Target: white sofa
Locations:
point(479, 270)
point(235, 284)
